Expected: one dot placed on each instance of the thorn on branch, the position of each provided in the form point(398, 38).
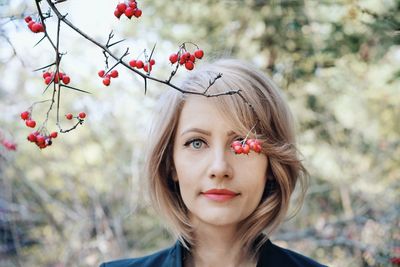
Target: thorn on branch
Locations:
point(219, 75)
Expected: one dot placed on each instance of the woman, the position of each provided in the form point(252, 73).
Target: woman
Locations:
point(221, 200)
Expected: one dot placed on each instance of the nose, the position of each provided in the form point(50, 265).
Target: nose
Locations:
point(220, 166)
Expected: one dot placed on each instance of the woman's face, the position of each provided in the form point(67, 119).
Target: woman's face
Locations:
point(206, 165)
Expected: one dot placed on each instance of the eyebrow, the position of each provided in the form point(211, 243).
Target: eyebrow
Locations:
point(198, 130)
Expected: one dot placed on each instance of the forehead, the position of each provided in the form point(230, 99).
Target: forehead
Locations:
point(200, 111)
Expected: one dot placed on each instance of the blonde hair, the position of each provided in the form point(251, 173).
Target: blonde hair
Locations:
point(274, 127)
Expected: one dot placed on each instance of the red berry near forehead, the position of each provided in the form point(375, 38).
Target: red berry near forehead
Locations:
point(238, 149)
point(199, 53)
point(25, 115)
point(152, 62)
point(246, 149)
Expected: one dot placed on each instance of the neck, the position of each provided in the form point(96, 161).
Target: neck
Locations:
point(217, 246)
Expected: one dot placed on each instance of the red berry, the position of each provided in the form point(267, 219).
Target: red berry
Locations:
point(114, 73)
point(40, 140)
point(69, 116)
point(257, 148)
point(28, 19)
point(199, 53)
point(47, 80)
point(132, 63)
point(101, 73)
point(56, 78)
point(54, 135)
point(30, 24)
point(139, 64)
point(147, 68)
point(82, 115)
point(37, 27)
point(46, 74)
point(121, 7)
point(129, 12)
point(152, 62)
point(66, 79)
point(192, 58)
point(236, 143)
point(25, 115)
point(246, 149)
point(238, 149)
point(32, 137)
point(173, 58)
point(133, 4)
point(106, 81)
point(30, 123)
point(186, 56)
point(137, 13)
point(117, 13)
point(189, 65)
point(182, 60)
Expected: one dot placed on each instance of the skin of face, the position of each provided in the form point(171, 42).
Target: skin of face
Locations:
point(204, 160)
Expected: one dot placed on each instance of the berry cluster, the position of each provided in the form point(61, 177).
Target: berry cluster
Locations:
point(42, 140)
point(139, 64)
point(49, 76)
point(26, 116)
point(128, 8)
point(107, 77)
point(186, 58)
point(81, 116)
point(244, 147)
point(33, 25)
point(9, 145)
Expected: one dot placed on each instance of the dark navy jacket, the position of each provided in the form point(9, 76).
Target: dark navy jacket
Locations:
point(270, 256)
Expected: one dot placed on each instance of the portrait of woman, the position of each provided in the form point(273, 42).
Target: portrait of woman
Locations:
point(221, 168)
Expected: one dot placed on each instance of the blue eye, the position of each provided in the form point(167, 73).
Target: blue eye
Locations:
point(195, 143)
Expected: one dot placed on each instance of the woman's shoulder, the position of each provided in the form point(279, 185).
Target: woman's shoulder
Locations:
point(163, 258)
point(273, 255)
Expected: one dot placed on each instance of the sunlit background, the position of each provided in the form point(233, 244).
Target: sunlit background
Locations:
point(80, 201)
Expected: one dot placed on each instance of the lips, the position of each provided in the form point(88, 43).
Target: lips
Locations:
point(219, 194)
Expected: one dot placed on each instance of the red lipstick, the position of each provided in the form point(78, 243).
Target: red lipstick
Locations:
point(220, 194)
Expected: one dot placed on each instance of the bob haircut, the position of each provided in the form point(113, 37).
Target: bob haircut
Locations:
point(268, 119)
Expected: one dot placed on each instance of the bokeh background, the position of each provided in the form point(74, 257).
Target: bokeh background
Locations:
point(80, 201)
